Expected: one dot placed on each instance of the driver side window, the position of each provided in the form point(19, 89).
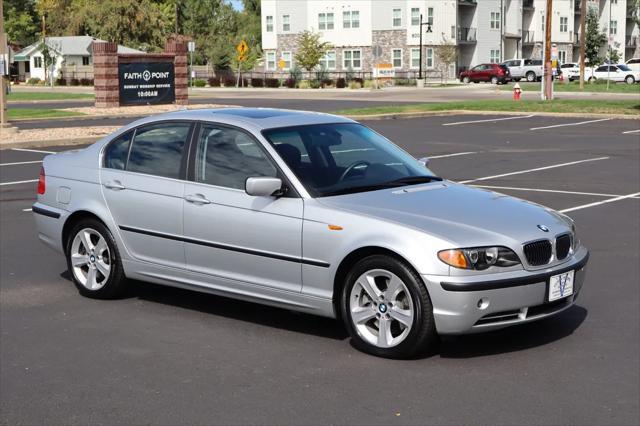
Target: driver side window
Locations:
point(227, 157)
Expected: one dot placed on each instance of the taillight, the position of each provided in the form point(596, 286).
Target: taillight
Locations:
point(41, 182)
point(500, 71)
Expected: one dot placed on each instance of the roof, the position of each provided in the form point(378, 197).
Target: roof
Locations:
point(68, 45)
point(256, 119)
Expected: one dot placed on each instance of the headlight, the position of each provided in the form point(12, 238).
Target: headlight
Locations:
point(479, 258)
point(574, 240)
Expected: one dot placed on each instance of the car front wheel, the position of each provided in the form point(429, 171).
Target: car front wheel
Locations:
point(494, 80)
point(531, 76)
point(94, 261)
point(387, 309)
point(629, 79)
point(466, 79)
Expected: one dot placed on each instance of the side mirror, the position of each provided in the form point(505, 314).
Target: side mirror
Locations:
point(424, 161)
point(263, 186)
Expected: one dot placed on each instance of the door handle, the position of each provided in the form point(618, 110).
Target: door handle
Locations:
point(197, 199)
point(114, 185)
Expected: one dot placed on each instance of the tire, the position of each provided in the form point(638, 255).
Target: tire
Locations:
point(591, 79)
point(494, 80)
point(531, 76)
point(517, 79)
point(395, 284)
point(476, 81)
point(94, 261)
point(466, 79)
point(629, 79)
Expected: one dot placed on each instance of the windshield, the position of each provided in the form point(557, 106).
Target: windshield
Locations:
point(624, 67)
point(334, 159)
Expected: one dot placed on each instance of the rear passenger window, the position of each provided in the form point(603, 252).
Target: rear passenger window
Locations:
point(115, 156)
point(157, 149)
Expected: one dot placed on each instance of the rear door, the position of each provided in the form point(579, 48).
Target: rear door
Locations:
point(143, 186)
point(515, 68)
point(233, 237)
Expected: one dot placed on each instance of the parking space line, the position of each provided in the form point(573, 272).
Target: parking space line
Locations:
point(570, 124)
point(33, 150)
point(18, 182)
point(555, 191)
point(451, 155)
point(534, 170)
point(631, 131)
point(610, 200)
point(488, 121)
point(21, 162)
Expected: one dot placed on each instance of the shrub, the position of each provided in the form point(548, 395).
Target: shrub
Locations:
point(271, 82)
point(371, 84)
point(304, 84)
point(290, 83)
point(354, 85)
point(229, 81)
point(341, 83)
point(199, 82)
point(74, 82)
point(213, 81)
point(257, 82)
point(314, 84)
point(86, 82)
point(405, 82)
point(61, 81)
point(359, 80)
point(33, 80)
point(326, 82)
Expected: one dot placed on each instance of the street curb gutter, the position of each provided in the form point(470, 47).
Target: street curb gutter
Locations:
point(372, 117)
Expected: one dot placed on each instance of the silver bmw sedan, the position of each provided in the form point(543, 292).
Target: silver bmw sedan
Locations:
point(309, 212)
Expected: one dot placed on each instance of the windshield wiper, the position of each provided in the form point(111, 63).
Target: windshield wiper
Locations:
point(409, 180)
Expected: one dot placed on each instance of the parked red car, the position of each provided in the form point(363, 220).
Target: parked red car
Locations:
point(495, 73)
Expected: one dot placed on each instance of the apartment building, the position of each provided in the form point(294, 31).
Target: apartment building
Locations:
point(482, 30)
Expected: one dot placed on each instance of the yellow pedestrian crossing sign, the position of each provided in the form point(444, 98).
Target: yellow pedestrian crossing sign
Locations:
point(242, 48)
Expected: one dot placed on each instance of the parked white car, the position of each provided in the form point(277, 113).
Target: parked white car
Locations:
point(634, 64)
point(571, 70)
point(529, 69)
point(617, 73)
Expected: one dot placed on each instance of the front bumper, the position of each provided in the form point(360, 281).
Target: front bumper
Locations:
point(507, 298)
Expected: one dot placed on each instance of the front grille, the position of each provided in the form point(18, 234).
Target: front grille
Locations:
point(563, 245)
point(538, 253)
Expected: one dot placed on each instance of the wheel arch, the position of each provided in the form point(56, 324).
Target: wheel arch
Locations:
point(76, 217)
point(354, 257)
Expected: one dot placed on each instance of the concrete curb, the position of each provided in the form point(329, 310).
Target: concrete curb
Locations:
point(421, 114)
point(52, 142)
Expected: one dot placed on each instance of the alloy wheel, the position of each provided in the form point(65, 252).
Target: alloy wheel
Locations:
point(90, 259)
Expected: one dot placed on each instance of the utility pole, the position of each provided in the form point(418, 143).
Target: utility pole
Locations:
point(548, 74)
point(609, 37)
point(583, 31)
point(5, 59)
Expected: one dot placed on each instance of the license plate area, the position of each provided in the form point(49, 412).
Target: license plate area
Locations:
point(560, 286)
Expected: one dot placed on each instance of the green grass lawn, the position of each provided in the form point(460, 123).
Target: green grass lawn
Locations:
point(47, 96)
point(15, 114)
point(574, 86)
point(631, 107)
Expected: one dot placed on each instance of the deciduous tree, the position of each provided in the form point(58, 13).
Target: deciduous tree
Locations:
point(310, 50)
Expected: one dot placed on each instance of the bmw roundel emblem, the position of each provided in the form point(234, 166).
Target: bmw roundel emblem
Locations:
point(543, 228)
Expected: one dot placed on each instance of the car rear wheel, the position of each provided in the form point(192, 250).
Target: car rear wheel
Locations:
point(466, 79)
point(516, 79)
point(629, 79)
point(531, 76)
point(387, 309)
point(94, 261)
point(494, 80)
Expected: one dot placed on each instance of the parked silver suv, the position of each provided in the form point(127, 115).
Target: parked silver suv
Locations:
point(310, 212)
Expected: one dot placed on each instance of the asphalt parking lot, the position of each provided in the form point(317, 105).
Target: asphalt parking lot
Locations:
point(170, 356)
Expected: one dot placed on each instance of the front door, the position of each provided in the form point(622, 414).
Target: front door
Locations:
point(143, 188)
point(231, 236)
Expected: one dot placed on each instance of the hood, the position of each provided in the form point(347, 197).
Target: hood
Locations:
point(462, 215)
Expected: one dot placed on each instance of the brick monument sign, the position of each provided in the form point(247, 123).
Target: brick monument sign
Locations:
point(140, 79)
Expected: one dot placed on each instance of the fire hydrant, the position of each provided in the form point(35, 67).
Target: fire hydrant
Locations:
point(516, 92)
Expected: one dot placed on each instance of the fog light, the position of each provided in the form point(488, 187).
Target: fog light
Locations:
point(483, 303)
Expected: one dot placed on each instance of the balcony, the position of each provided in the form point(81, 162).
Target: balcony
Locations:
point(469, 3)
point(632, 41)
point(576, 38)
point(466, 35)
point(576, 7)
point(632, 10)
point(528, 5)
point(528, 37)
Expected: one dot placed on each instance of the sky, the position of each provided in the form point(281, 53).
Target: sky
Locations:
point(237, 4)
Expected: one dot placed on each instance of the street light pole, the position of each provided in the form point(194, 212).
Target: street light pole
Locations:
point(428, 24)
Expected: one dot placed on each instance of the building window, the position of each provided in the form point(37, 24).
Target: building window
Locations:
point(495, 20)
point(396, 58)
point(271, 60)
point(286, 23)
point(85, 60)
point(286, 57)
point(415, 16)
point(415, 58)
point(351, 19)
point(613, 27)
point(543, 24)
point(397, 17)
point(430, 15)
point(329, 21)
point(494, 56)
point(325, 21)
point(352, 59)
point(429, 57)
point(328, 61)
point(562, 56)
point(564, 24)
point(37, 62)
point(269, 24)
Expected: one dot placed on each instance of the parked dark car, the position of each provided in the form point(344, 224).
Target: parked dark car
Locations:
point(495, 73)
